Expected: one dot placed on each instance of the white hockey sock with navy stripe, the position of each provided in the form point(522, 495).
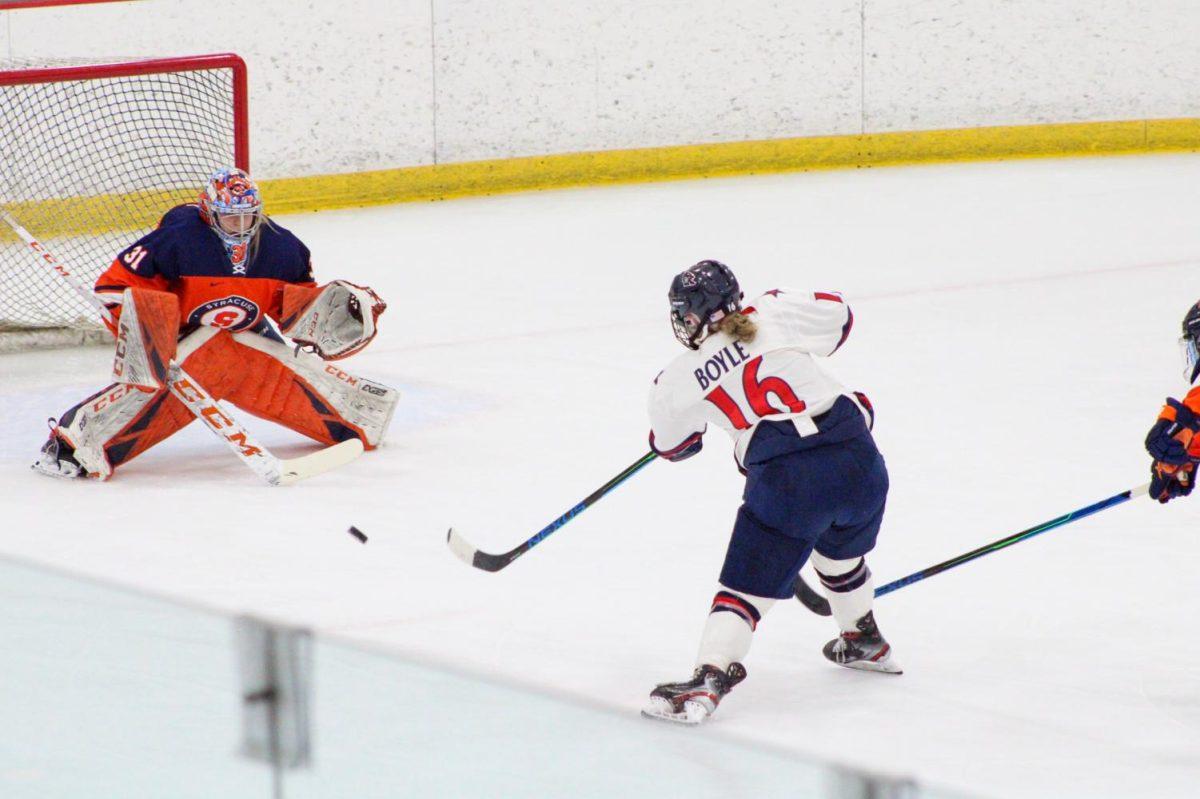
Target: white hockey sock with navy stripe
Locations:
point(730, 627)
point(849, 586)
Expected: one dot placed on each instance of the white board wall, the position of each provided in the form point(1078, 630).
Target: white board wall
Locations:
point(376, 84)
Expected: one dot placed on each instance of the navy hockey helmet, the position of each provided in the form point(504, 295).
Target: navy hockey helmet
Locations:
point(1189, 343)
point(701, 296)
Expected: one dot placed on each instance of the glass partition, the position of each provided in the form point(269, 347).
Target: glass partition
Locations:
point(387, 728)
point(107, 693)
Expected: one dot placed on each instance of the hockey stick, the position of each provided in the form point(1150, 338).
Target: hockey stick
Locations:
point(467, 553)
point(275, 471)
point(819, 605)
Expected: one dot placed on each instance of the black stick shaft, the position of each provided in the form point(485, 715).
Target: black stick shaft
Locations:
point(819, 605)
point(1008, 541)
point(488, 562)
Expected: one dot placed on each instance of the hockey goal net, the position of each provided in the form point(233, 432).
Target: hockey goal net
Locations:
point(93, 155)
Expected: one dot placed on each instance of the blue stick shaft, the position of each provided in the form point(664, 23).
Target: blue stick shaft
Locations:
point(1015, 538)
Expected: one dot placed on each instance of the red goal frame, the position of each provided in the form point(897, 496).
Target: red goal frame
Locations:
point(10, 5)
point(151, 66)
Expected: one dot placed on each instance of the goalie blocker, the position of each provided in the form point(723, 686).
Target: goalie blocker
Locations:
point(256, 373)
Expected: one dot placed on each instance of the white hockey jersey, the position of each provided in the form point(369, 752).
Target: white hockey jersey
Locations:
point(736, 385)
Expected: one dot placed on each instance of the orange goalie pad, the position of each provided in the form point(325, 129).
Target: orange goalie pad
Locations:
point(147, 334)
point(253, 381)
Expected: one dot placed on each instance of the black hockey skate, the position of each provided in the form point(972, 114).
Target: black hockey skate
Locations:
point(693, 701)
point(864, 649)
point(57, 458)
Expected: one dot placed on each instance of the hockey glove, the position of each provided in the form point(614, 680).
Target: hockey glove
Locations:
point(1171, 436)
point(337, 323)
point(1175, 447)
point(1168, 482)
point(690, 446)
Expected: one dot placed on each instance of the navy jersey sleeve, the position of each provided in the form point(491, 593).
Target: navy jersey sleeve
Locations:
point(288, 259)
point(146, 263)
point(153, 255)
point(305, 270)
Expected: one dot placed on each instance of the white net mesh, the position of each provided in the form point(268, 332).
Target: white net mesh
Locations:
point(93, 158)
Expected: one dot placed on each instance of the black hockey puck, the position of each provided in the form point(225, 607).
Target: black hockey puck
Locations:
point(359, 534)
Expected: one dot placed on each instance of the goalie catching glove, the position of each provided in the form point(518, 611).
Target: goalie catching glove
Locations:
point(334, 321)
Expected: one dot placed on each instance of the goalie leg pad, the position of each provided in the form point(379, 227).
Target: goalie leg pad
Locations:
point(257, 374)
point(296, 390)
point(114, 425)
point(147, 332)
point(122, 421)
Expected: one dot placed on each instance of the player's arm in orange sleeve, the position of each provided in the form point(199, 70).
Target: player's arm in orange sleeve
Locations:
point(1192, 399)
point(289, 298)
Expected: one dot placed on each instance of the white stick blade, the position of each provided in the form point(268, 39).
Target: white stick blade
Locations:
point(461, 547)
point(297, 469)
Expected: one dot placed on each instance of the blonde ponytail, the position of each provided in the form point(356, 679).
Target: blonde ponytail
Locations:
point(739, 326)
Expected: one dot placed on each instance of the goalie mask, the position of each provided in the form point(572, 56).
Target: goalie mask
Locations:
point(700, 297)
point(232, 206)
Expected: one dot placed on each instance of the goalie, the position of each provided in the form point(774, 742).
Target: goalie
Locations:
point(200, 289)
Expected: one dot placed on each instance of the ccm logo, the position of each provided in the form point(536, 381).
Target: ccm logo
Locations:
point(122, 390)
point(340, 375)
point(122, 348)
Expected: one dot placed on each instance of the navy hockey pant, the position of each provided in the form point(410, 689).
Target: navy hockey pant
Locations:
point(829, 498)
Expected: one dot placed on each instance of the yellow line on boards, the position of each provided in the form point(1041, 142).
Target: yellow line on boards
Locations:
point(90, 215)
point(445, 181)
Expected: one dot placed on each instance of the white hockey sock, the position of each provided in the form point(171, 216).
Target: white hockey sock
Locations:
point(730, 626)
point(849, 586)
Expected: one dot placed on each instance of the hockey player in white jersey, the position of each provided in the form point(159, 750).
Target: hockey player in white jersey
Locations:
point(815, 483)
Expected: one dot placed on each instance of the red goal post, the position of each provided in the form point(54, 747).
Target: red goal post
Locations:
point(94, 153)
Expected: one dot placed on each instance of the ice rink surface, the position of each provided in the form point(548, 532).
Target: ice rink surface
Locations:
point(1015, 329)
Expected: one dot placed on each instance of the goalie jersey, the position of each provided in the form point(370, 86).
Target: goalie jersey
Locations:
point(184, 257)
point(736, 385)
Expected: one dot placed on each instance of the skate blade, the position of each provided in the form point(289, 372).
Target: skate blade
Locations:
point(885, 666)
point(660, 710)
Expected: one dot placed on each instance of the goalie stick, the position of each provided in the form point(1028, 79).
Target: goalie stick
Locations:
point(819, 605)
point(469, 554)
point(275, 471)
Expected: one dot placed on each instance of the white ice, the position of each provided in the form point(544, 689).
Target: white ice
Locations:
point(1015, 328)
